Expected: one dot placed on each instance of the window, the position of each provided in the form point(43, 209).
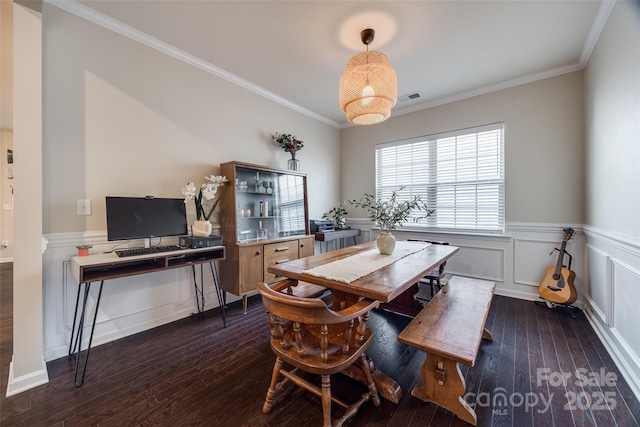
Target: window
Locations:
point(459, 174)
point(290, 194)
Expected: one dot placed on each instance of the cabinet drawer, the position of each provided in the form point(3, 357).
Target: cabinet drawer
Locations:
point(276, 253)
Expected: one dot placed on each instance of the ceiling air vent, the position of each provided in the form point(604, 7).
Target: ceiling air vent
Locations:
point(404, 98)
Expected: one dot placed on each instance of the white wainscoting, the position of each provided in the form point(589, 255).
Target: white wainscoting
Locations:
point(128, 305)
point(612, 298)
point(516, 261)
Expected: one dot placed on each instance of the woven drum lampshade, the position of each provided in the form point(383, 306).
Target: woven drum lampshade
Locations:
point(368, 88)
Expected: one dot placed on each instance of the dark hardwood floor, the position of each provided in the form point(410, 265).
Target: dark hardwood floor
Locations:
point(195, 372)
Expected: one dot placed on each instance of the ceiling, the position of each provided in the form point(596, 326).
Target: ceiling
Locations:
point(294, 52)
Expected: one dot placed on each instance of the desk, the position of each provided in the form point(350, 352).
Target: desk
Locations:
point(327, 236)
point(383, 285)
point(101, 267)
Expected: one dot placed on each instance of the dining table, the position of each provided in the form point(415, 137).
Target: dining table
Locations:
point(360, 271)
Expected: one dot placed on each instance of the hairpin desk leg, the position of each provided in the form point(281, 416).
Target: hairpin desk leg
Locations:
point(76, 347)
point(199, 290)
point(214, 273)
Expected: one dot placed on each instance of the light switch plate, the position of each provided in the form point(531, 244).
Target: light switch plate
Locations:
point(83, 206)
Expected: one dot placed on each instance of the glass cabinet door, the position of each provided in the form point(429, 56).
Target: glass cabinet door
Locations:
point(270, 205)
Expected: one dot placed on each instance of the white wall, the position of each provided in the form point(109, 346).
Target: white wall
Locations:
point(121, 118)
point(27, 367)
point(612, 111)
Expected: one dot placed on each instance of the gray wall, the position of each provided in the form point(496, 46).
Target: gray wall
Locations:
point(612, 222)
point(612, 110)
point(544, 146)
point(121, 118)
point(124, 119)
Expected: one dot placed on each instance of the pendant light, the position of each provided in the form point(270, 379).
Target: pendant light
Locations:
point(369, 86)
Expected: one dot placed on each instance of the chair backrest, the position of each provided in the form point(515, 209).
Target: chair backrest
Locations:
point(289, 316)
point(307, 310)
point(434, 242)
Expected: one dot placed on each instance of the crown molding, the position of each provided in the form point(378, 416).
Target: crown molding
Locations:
point(596, 30)
point(82, 11)
point(489, 89)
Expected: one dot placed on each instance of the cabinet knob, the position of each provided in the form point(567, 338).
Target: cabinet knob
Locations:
point(257, 253)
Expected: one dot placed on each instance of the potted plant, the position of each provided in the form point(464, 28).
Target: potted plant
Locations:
point(83, 250)
point(336, 215)
point(291, 144)
point(389, 215)
point(204, 207)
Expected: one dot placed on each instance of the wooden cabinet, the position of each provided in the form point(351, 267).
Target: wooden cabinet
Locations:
point(264, 220)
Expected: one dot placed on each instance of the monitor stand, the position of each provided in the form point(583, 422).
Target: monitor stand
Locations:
point(147, 242)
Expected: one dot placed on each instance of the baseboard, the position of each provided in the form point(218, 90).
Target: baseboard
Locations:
point(25, 382)
point(614, 351)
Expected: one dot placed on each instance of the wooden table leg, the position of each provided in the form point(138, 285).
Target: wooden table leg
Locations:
point(444, 385)
point(342, 300)
point(387, 387)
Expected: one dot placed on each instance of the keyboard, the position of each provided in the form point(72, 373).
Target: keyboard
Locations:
point(147, 251)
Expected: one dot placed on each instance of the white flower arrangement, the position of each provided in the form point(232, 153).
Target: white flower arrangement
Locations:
point(208, 191)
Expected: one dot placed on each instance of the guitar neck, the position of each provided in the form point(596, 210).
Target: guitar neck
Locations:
point(560, 257)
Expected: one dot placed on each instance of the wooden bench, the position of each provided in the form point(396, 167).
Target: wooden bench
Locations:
point(449, 329)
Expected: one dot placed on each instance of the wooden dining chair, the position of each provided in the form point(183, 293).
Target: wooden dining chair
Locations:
point(309, 336)
point(413, 300)
point(307, 290)
point(432, 278)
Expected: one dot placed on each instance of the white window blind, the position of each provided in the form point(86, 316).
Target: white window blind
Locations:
point(459, 174)
point(290, 193)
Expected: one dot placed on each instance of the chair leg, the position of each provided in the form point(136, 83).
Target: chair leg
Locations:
point(373, 390)
point(326, 401)
point(268, 403)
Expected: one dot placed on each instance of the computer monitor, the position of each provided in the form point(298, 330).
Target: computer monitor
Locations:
point(145, 217)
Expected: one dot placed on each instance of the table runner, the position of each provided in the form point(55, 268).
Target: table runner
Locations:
point(352, 268)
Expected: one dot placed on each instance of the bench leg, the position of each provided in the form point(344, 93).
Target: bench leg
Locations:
point(487, 335)
point(444, 385)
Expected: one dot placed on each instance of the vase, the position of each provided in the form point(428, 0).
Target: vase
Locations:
point(293, 164)
point(342, 223)
point(201, 228)
point(386, 242)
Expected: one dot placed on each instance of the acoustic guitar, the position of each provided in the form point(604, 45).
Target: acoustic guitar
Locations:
point(557, 285)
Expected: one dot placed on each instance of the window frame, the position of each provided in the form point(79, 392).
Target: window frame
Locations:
point(485, 188)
